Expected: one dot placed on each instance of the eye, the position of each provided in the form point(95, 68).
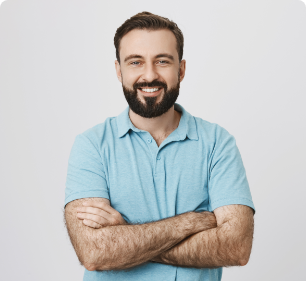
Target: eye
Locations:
point(164, 61)
point(132, 63)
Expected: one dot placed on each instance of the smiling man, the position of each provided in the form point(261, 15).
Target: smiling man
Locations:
point(156, 193)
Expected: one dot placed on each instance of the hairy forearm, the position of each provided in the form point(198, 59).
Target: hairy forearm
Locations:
point(125, 246)
point(216, 247)
point(203, 249)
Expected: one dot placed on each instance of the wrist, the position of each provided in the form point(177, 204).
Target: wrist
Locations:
point(208, 220)
point(193, 222)
point(203, 221)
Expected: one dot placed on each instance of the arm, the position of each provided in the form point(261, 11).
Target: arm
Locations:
point(124, 246)
point(227, 245)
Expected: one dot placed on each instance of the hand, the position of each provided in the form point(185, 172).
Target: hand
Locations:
point(99, 214)
point(211, 220)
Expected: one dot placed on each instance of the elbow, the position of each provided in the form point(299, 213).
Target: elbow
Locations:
point(243, 262)
point(88, 261)
point(244, 254)
point(90, 267)
point(236, 261)
point(94, 267)
point(96, 258)
point(244, 258)
point(96, 264)
point(88, 264)
point(237, 257)
point(100, 267)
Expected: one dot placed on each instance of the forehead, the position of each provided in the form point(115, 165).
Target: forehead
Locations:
point(148, 43)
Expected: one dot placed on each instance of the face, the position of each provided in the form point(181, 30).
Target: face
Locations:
point(150, 71)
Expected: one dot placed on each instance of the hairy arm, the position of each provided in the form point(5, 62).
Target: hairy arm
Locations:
point(229, 244)
point(124, 246)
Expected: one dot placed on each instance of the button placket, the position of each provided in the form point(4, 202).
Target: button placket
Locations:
point(159, 165)
point(152, 146)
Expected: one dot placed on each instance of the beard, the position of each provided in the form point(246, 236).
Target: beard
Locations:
point(151, 109)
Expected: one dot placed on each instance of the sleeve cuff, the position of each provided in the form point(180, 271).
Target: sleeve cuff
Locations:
point(232, 201)
point(86, 194)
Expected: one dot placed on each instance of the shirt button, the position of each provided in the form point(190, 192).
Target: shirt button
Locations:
point(158, 157)
point(149, 140)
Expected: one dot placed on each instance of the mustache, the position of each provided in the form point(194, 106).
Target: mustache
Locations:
point(158, 84)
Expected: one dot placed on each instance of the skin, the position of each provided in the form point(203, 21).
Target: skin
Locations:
point(97, 215)
point(100, 236)
point(148, 45)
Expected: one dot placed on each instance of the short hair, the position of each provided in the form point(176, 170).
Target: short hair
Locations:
point(149, 21)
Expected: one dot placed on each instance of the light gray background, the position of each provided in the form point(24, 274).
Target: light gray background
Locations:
point(246, 71)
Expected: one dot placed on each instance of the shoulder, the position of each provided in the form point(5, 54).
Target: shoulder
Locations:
point(99, 134)
point(211, 132)
point(100, 130)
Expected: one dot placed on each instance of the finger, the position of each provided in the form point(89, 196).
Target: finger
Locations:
point(95, 211)
point(94, 218)
point(92, 224)
point(101, 205)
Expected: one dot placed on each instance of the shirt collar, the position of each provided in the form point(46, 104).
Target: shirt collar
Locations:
point(187, 126)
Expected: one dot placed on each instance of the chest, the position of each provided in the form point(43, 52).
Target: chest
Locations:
point(148, 183)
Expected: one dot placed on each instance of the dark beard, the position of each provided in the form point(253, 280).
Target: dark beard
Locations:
point(150, 109)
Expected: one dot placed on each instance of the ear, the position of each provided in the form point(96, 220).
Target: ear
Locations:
point(118, 71)
point(182, 70)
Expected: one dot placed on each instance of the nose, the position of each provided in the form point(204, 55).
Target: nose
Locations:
point(150, 74)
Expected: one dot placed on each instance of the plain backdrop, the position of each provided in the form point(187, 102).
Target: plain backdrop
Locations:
point(246, 71)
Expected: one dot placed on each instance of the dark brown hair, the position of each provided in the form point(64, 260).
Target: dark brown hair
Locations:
point(149, 21)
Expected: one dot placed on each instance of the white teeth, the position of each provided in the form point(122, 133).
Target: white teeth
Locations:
point(150, 90)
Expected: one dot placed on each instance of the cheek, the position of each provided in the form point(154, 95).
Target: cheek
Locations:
point(172, 79)
point(129, 79)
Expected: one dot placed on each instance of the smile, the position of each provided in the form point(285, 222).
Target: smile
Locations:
point(150, 92)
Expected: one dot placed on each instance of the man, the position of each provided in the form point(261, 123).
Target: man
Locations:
point(155, 193)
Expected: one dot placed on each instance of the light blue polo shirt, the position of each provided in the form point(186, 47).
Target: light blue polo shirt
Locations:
point(198, 167)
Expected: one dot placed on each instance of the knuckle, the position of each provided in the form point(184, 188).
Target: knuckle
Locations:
point(113, 221)
point(105, 223)
point(102, 204)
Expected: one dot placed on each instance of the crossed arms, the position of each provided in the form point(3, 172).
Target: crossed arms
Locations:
point(201, 240)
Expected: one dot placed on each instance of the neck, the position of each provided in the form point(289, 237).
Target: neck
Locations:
point(158, 126)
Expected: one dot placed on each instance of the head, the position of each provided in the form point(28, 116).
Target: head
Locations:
point(149, 51)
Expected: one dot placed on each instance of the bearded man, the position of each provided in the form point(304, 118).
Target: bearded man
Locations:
point(156, 193)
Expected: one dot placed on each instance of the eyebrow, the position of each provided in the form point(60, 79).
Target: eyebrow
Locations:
point(135, 56)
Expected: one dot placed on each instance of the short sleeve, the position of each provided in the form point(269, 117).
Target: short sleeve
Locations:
point(85, 173)
point(228, 183)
